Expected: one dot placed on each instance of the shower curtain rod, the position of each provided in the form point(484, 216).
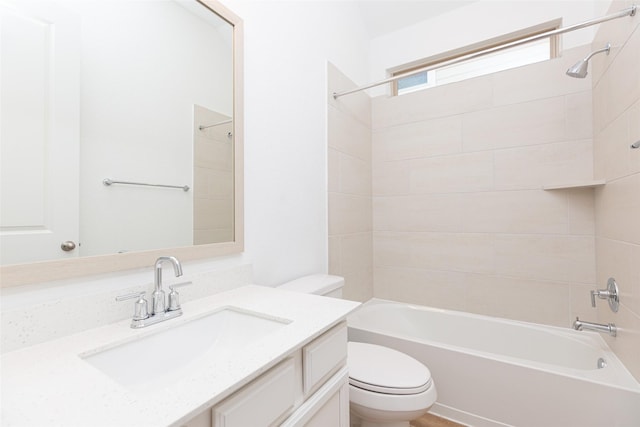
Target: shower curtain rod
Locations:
point(201, 127)
point(630, 11)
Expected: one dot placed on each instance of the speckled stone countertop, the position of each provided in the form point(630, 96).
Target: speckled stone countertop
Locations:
point(49, 384)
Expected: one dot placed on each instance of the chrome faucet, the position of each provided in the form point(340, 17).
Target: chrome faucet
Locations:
point(157, 296)
point(159, 309)
point(609, 328)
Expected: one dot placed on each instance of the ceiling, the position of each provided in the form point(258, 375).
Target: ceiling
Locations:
point(385, 16)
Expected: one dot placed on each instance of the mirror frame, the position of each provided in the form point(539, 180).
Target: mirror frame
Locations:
point(47, 271)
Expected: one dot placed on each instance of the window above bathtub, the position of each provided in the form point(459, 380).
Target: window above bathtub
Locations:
point(502, 59)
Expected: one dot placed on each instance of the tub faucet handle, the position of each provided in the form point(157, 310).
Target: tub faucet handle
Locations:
point(610, 294)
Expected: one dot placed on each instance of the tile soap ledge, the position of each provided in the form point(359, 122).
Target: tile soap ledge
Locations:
point(584, 184)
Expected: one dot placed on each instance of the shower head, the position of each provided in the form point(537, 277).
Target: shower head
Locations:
point(579, 69)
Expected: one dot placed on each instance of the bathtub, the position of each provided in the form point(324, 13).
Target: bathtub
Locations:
point(493, 372)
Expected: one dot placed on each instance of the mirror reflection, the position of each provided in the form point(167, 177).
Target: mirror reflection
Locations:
point(138, 93)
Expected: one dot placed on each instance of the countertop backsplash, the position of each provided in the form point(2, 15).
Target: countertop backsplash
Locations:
point(33, 314)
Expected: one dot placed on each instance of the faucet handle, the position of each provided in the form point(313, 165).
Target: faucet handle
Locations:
point(140, 311)
point(174, 297)
point(611, 294)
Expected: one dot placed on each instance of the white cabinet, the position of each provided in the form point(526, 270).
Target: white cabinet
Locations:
point(327, 407)
point(264, 402)
point(322, 357)
point(308, 388)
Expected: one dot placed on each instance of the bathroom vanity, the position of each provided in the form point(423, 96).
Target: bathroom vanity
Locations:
point(275, 358)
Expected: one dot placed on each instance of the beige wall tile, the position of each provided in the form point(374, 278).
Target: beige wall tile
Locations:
point(215, 235)
point(527, 211)
point(616, 97)
point(356, 106)
point(633, 119)
point(349, 183)
point(581, 302)
point(201, 182)
point(485, 212)
point(349, 214)
point(615, 32)
point(441, 101)
point(581, 215)
point(613, 159)
point(419, 139)
point(210, 183)
point(553, 258)
point(579, 113)
point(528, 123)
point(433, 212)
point(357, 268)
point(471, 252)
point(335, 264)
point(600, 104)
point(519, 299)
point(443, 289)
point(618, 209)
point(633, 301)
point(333, 170)
point(536, 166)
point(392, 249)
point(213, 154)
point(622, 75)
point(213, 214)
point(545, 79)
point(348, 135)
point(447, 174)
point(391, 178)
point(615, 260)
point(626, 344)
point(355, 175)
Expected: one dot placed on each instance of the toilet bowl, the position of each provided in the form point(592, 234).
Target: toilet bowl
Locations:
point(387, 388)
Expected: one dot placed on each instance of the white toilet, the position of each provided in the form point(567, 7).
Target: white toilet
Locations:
point(387, 388)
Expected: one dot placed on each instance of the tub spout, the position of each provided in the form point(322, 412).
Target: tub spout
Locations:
point(581, 325)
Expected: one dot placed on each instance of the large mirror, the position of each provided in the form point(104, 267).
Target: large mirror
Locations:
point(121, 135)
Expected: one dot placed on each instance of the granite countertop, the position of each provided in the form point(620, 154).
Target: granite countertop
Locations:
point(50, 384)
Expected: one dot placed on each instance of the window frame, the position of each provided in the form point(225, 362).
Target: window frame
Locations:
point(496, 42)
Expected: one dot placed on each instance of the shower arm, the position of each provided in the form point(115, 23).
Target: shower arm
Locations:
point(607, 48)
point(630, 11)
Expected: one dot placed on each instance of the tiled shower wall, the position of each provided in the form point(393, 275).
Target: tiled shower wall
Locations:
point(616, 101)
point(349, 175)
point(460, 216)
point(213, 178)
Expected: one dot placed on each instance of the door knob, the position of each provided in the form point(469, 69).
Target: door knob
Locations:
point(68, 246)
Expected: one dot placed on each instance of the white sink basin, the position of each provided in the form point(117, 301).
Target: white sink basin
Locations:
point(160, 358)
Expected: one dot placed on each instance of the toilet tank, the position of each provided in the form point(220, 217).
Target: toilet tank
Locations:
point(318, 284)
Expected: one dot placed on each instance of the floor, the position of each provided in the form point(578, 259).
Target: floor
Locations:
point(430, 420)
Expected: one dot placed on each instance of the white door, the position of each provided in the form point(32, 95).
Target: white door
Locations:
point(39, 131)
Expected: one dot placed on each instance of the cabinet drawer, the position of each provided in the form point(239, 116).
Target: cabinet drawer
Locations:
point(323, 357)
point(264, 402)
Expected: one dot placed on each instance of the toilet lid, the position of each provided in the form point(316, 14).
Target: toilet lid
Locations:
point(385, 370)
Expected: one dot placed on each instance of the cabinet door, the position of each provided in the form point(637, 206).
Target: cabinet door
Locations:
point(202, 420)
point(264, 402)
point(327, 407)
point(323, 357)
point(335, 412)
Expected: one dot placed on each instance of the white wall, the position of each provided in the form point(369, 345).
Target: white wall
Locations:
point(287, 46)
point(478, 21)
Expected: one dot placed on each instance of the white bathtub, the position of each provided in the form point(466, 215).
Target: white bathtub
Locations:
point(495, 372)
